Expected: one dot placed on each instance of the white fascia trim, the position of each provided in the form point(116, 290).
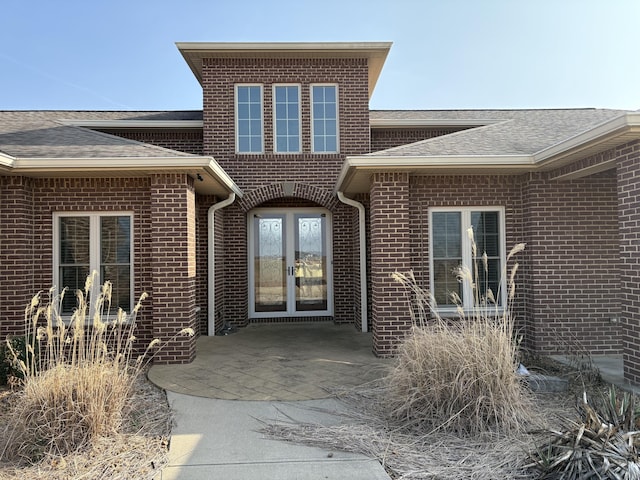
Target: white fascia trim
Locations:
point(6, 161)
point(454, 161)
point(607, 128)
point(430, 122)
point(44, 164)
point(188, 124)
point(216, 170)
point(283, 46)
point(206, 164)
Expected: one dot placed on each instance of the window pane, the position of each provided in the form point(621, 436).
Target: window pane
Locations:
point(249, 118)
point(256, 144)
point(115, 255)
point(325, 124)
point(74, 240)
point(120, 278)
point(486, 232)
point(287, 118)
point(447, 255)
point(445, 281)
point(447, 236)
point(72, 278)
point(489, 279)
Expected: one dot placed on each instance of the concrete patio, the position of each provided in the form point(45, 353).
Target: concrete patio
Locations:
point(297, 361)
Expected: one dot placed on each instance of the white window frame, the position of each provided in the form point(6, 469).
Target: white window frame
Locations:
point(236, 119)
point(94, 254)
point(467, 260)
point(313, 147)
point(275, 122)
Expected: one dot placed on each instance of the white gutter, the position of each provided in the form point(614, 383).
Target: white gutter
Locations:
point(363, 257)
point(211, 297)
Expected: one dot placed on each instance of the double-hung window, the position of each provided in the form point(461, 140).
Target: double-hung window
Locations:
point(324, 118)
point(249, 121)
point(87, 242)
point(451, 248)
point(286, 118)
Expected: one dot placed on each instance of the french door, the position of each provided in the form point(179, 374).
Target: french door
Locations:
point(289, 263)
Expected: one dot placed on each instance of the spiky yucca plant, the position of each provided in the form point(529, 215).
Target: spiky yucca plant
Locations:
point(602, 443)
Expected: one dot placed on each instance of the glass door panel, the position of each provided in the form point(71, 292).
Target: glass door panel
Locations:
point(310, 262)
point(289, 268)
point(269, 263)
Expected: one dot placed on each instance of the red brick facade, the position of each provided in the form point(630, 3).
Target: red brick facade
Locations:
point(577, 288)
point(262, 177)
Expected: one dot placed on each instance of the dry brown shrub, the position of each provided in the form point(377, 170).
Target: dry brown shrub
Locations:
point(459, 375)
point(79, 375)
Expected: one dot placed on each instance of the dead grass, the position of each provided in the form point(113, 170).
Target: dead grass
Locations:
point(459, 374)
point(407, 452)
point(83, 408)
point(138, 450)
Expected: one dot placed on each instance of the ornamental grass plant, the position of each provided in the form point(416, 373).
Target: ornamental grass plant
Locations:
point(459, 374)
point(78, 374)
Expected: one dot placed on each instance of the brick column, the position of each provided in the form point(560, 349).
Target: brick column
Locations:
point(390, 252)
point(173, 265)
point(628, 172)
point(16, 254)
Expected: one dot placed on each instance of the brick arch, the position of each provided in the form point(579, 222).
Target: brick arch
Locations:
point(321, 196)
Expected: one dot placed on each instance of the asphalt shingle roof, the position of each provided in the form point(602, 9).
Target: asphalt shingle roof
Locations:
point(42, 134)
point(507, 132)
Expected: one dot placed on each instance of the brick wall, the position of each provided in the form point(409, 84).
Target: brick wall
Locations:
point(568, 281)
point(466, 191)
point(174, 265)
point(41, 198)
point(261, 176)
point(383, 138)
point(628, 193)
point(16, 255)
point(571, 229)
point(188, 141)
point(390, 251)
point(253, 171)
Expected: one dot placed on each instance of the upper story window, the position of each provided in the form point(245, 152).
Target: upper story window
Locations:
point(286, 118)
point(249, 130)
point(450, 247)
point(324, 118)
point(84, 243)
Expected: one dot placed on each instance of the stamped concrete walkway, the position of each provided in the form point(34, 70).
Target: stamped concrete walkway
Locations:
point(265, 373)
point(297, 361)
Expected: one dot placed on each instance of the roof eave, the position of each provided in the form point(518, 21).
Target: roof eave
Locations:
point(355, 169)
point(607, 135)
point(210, 177)
point(375, 52)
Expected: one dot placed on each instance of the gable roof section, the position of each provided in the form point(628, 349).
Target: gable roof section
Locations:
point(42, 144)
point(502, 141)
point(375, 52)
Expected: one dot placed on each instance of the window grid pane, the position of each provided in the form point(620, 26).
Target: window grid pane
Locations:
point(74, 257)
point(325, 118)
point(287, 118)
point(486, 232)
point(249, 118)
point(115, 254)
point(447, 256)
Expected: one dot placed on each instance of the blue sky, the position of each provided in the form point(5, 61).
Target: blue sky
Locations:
point(121, 55)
